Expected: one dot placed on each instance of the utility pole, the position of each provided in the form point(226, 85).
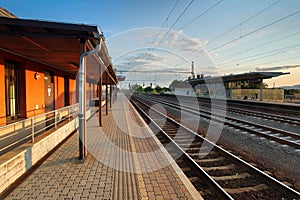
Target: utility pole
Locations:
point(193, 71)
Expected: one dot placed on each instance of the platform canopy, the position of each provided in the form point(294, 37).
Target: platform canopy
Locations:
point(6, 13)
point(54, 44)
point(251, 76)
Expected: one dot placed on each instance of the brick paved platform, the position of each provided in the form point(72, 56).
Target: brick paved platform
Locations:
point(125, 161)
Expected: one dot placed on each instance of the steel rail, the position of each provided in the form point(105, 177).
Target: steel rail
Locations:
point(271, 116)
point(214, 117)
point(221, 193)
point(271, 180)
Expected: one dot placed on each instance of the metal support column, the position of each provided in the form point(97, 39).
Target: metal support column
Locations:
point(100, 99)
point(106, 92)
point(115, 89)
point(82, 100)
point(230, 90)
point(80, 84)
point(261, 90)
point(110, 94)
point(116, 92)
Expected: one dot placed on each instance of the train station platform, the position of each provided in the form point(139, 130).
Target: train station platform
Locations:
point(125, 161)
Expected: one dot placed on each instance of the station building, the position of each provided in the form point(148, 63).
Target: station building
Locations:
point(46, 70)
point(39, 63)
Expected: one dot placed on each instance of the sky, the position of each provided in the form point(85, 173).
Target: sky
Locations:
point(156, 41)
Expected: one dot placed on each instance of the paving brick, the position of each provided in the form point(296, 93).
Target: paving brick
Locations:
point(61, 176)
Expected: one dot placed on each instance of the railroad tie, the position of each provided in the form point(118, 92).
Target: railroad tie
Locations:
point(232, 177)
point(209, 160)
point(226, 167)
point(246, 189)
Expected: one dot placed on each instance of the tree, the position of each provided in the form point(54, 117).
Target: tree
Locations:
point(137, 88)
point(158, 89)
point(154, 92)
point(148, 89)
point(265, 85)
point(165, 89)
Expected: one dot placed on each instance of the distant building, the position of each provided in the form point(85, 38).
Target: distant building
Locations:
point(184, 89)
point(238, 86)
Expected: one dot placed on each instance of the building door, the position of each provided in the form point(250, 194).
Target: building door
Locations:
point(66, 91)
point(49, 91)
point(11, 90)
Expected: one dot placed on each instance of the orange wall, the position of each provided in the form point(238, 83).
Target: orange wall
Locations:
point(87, 89)
point(34, 94)
point(95, 91)
point(32, 90)
point(2, 95)
point(91, 90)
point(59, 92)
point(72, 89)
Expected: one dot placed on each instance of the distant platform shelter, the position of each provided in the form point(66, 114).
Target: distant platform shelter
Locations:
point(240, 86)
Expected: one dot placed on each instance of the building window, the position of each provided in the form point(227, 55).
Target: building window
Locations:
point(12, 89)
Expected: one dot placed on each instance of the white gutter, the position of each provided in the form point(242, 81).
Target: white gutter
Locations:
point(82, 100)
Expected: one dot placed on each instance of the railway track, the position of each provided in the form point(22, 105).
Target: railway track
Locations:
point(278, 135)
point(269, 114)
point(270, 108)
point(215, 172)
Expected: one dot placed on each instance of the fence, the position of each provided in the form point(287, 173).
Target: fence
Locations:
point(292, 98)
point(270, 94)
point(15, 134)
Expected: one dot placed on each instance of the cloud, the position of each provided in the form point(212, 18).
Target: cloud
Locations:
point(130, 64)
point(191, 45)
point(173, 40)
point(144, 58)
point(140, 59)
point(276, 68)
point(150, 57)
point(176, 40)
point(142, 46)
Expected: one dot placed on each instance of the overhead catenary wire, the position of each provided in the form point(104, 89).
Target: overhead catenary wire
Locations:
point(203, 13)
point(154, 71)
point(257, 46)
point(171, 11)
point(254, 31)
point(242, 23)
point(176, 21)
point(245, 21)
point(163, 24)
point(254, 57)
point(291, 58)
point(259, 64)
point(260, 54)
